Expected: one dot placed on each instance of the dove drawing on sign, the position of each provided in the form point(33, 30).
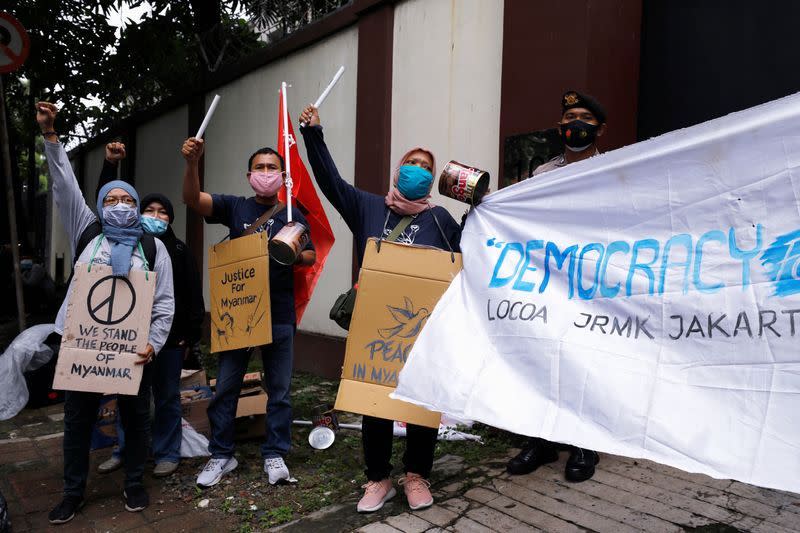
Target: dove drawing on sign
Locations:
point(409, 322)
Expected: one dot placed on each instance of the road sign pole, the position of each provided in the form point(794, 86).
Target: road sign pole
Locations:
point(12, 212)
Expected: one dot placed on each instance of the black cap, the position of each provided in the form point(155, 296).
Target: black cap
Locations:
point(575, 99)
point(163, 200)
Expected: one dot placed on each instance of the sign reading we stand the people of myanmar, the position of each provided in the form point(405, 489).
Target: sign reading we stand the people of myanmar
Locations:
point(107, 325)
point(644, 302)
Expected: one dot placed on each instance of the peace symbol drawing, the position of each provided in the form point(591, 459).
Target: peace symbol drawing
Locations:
point(111, 300)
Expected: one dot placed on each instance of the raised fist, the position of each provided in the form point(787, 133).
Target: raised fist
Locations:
point(192, 149)
point(46, 115)
point(115, 152)
point(310, 116)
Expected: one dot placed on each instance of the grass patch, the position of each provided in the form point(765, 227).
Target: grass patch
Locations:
point(325, 477)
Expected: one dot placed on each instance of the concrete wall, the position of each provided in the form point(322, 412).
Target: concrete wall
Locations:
point(247, 119)
point(446, 83)
point(159, 163)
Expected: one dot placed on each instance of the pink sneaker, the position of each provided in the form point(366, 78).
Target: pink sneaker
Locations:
point(376, 494)
point(417, 491)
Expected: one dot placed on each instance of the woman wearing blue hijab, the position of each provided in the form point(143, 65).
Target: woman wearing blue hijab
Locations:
point(118, 244)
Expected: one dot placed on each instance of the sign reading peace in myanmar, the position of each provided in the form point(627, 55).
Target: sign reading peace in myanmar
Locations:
point(644, 302)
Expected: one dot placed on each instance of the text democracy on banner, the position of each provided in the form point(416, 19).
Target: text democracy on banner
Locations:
point(644, 302)
point(107, 324)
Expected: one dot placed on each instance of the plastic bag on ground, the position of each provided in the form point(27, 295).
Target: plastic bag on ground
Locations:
point(193, 444)
point(27, 352)
point(446, 432)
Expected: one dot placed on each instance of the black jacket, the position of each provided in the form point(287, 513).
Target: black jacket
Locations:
point(190, 310)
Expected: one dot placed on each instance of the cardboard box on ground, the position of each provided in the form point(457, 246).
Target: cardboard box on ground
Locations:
point(238, 273)
point(398, 287)
point(250, 411)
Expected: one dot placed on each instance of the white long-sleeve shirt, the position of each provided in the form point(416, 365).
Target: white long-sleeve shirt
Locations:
point(77, 216)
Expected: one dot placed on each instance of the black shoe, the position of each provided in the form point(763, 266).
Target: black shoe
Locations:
point(136, 499)
point(580, 465)
point(65, 511)
point(532, 457)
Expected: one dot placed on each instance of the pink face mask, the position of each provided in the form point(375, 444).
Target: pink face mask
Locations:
point(266, 183)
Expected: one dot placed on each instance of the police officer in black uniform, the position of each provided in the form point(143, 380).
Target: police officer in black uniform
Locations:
point(583, 120)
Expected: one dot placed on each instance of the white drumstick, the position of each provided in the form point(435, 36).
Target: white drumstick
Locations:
point(327, 90)
point(324, 94)
point(207, 119)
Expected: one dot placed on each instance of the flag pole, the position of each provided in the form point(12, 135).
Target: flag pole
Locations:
point(287, 156)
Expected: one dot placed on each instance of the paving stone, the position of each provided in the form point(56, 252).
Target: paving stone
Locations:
point(743, 506)
point(378, 527)
point(408, 523)
point(466, 525)
point(439, 515)
point(583, 518)
point(481, 494)
point(498, 521)
point(632, 500)
point(448, 466)
point(457, 505)
point(549, 482)
point(533, 517)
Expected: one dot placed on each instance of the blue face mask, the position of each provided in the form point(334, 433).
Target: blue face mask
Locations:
point(153, 225)
point(120, 215)
point(414, 182)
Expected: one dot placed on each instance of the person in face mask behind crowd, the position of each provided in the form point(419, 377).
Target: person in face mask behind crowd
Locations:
point(404, 214)
point(119, 241)
point(265, 174)
point(583, 119)
point(157, 217)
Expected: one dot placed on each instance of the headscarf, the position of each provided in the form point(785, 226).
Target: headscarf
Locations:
point(123, 240)
point(399, 203)
point(163, 200)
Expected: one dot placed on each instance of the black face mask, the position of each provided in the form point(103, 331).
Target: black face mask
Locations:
point(578, 134)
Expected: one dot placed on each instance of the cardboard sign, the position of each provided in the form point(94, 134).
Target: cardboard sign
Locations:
point(398, 288)
point(107, 324)
point(238, 271)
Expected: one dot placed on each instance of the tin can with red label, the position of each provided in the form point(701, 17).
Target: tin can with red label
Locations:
point(326, 424)
point(464, 183)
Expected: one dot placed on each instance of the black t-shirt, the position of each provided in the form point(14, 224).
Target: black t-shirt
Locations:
point(239, 213)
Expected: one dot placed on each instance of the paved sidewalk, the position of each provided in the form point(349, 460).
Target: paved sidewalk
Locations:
point(31, 480)
point(625, 495)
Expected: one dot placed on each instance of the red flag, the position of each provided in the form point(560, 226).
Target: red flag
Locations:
point(304, 197)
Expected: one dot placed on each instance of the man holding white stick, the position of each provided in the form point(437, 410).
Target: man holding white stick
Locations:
point(265, 173)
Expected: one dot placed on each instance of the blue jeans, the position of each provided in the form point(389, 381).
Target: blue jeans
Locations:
point(80, 416)
point(277, 359)
point(167, 420)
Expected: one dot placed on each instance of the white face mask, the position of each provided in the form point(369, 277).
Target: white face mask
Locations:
point(121, 215)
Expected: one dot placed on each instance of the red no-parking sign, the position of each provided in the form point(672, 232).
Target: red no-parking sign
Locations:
point(14, 43)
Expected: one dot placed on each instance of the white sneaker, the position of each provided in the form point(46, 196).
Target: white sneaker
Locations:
point(214, 470)
point(276, 469)
point(109, 465)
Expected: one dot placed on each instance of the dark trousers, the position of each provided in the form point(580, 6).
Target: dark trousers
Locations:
point(277, 360)
point(80, 416)
point(377, 434)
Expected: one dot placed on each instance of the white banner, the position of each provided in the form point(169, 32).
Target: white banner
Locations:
point(645, 302)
